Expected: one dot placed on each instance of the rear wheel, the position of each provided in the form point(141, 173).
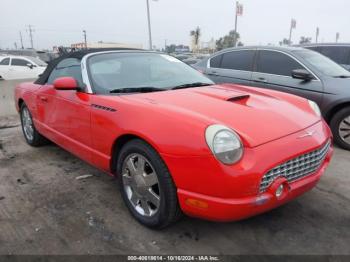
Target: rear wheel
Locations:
point(340, 125)
point(146, 185)
point(32, 136)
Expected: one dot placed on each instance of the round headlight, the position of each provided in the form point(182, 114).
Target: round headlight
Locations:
point(224, 143)
point(315, 107)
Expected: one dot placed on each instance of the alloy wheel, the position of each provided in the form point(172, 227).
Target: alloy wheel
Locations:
point(141, 185)
point(344, 129)
point(27, 123)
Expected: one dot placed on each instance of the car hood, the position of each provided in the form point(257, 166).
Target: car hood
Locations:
point(257, 116)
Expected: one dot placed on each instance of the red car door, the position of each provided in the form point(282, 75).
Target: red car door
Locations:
point(66, 113)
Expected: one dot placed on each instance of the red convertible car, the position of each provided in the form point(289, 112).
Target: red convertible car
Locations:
point(177, 142)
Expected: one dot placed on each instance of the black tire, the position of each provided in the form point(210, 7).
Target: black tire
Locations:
point(37, 139)
point(169, 211)
point(335, 123)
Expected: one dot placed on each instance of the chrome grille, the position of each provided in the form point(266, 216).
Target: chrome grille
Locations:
point(297, 167)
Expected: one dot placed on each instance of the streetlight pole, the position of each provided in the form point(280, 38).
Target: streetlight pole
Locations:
point(85, 42)
point(239, 12)
point(293, 24)
point(149, 26)
point(235, 35)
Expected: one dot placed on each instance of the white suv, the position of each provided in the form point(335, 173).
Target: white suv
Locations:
point(20, 67)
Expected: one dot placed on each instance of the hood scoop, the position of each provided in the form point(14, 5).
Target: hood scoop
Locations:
point(238, 98)
point(224, 94)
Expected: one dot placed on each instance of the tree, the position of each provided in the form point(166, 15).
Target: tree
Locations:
point(170, 48)
point(285, 41)
point(196, 34)
point(305, 40)
point(228, 41)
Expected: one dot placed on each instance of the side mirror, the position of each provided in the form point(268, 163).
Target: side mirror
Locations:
point(302, 74)
point(30, 65)
point(65, 83)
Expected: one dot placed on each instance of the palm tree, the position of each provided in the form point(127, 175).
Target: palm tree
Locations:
point(305, 40)
point(196, 34)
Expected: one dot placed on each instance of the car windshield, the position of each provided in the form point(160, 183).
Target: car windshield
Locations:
point(323, 64)
point(142, 71)
point(38, 61)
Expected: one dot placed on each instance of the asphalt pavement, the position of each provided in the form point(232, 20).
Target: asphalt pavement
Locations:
point(44, 209)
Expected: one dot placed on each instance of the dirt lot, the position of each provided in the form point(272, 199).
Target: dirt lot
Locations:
point(45, 210)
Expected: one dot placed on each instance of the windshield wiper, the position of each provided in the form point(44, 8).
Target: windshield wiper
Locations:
point(141, 89)
point(342, 76)
point(196, 84)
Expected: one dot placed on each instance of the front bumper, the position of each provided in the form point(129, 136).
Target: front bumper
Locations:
point(210, 190)
point(220, 209)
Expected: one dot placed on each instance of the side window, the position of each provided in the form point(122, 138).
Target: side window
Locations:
point(5, 61)
point(338, 54)
point(215, 62)
point(276, 63)
point(19, 62)
point(67, 67)
point(238, 60)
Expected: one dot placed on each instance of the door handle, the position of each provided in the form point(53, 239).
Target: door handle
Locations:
point(261, 80)
point(214, 73)
point(43, 98)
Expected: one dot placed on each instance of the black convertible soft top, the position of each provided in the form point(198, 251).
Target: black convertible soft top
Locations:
point(76, 54)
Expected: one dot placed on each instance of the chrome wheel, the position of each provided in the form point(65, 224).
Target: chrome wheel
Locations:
point(27, 123)
point(344, 129)
point(141, 185)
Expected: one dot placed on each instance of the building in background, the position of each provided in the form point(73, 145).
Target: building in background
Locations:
point(208, 47)
point(182, 49)
point(102, 44)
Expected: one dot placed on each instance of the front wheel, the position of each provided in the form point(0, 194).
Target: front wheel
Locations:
point(146, 185)
point(32, 136)
point(340, 125)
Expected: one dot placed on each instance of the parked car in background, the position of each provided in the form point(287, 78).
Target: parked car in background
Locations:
point(20, 67)
point(182, 57)
point(191, 60)
point(339, 53)
point(177, 142)
point(46, 56)
point(293, 70)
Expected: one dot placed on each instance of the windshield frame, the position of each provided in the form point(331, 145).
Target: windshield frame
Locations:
point(87, 76)
point(321, 72)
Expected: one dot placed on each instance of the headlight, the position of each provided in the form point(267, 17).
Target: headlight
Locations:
point(224, 143)
point(315, 107)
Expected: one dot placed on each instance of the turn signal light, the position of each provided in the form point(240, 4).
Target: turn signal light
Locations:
point(196, 203)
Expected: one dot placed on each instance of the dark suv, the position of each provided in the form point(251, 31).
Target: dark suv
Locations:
point(339, 53)
point(294, 70)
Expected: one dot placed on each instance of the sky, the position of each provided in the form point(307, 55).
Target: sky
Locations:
point(60, 22)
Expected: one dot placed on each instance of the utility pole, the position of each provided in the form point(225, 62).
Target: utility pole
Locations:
point(30, 30)
point(20, 36)
point(149, 26)
point(165, 45)
point(317, 34)
point(239, 12)
point(85, 42)
point(293, 24)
